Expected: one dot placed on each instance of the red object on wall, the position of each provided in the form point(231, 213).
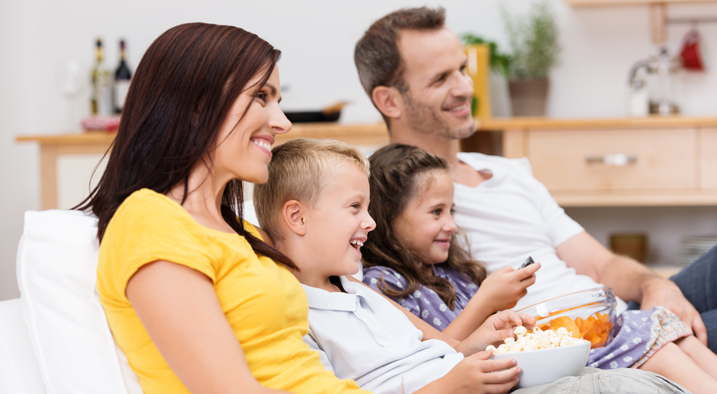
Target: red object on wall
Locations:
point(691, 55)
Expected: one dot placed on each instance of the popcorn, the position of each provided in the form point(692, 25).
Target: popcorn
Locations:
point(536, 340)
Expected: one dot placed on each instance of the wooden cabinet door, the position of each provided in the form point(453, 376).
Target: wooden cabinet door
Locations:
point(708, 156)
point(614, 160)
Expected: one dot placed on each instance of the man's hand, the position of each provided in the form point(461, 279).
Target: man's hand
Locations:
point(662, 292)
point(506, 286)
point(630, 280)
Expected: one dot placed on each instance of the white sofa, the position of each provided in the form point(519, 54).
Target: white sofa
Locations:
point(55, 337)
point(19, 372)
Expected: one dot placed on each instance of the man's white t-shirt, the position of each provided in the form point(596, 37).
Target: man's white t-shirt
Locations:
point(512, 216)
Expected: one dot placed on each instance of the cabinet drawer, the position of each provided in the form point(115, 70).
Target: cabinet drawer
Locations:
point(607, 160)
point(708, 147)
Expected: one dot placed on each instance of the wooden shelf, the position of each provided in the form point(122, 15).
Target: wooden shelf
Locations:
point(357, 134)
point(635, 199)
point(658, 12)
point(536, 123)
point(611, 3)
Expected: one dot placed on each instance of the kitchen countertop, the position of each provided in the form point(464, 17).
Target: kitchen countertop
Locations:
point(596, 123)
point(378, 130)
point(309, 130)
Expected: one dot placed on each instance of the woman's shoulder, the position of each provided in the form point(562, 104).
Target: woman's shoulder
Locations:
point(147, 200)
point(148, 214)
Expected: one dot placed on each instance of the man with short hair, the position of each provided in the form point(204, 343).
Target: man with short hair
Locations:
point(414, 70)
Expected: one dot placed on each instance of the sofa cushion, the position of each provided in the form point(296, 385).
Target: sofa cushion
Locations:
point(19, 373)
point(68, 330)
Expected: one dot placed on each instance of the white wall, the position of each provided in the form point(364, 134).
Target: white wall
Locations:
point(317, 37)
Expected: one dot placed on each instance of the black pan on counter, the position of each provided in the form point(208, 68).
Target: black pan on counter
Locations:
point(312, 116)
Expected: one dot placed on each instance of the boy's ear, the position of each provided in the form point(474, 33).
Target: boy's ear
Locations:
point(293, 215)
point(388, 100)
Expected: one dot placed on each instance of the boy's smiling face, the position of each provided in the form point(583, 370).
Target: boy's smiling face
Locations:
point(338, 225)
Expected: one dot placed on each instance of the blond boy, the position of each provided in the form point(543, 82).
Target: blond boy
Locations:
point(315, 208)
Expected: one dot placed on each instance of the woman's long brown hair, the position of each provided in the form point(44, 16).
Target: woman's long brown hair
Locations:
point(395, 171)
point(182, 90)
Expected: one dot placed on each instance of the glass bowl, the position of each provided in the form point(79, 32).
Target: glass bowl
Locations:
point(585, 304)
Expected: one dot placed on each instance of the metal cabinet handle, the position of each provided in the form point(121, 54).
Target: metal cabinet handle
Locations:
point(612, 159)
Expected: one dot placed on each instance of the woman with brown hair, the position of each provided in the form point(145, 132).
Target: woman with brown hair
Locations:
point(194, 297)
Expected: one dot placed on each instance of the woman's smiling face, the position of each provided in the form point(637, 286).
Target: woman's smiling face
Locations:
point(244, 144)
point(426, 224)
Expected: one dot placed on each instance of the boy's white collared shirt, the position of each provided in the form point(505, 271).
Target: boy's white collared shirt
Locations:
point(362, 336)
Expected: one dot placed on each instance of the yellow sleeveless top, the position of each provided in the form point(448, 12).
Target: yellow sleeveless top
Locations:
point(263, 302)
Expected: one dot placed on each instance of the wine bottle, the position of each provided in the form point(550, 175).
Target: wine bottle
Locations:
point(123, 76)
point(101, 85)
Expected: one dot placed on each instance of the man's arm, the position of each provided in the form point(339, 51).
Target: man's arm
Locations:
point(629, 279)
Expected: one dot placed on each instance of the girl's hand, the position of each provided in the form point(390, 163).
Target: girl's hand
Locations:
point(494, 330)
point(504, 287)
point(477, 374)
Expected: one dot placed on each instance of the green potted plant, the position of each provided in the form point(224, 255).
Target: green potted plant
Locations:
point(498, 75)
point(534, 41)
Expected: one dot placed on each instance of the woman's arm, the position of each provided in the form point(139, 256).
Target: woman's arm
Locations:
point(180, 310)
point(501, 290)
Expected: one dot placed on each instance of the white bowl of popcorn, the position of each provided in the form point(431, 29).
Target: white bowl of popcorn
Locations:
point(544, 356)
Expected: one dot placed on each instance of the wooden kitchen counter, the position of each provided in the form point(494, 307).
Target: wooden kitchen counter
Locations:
point(97, 142)
point(535, 123)
point(583, 162)
point(650, 161)
point(358, 134)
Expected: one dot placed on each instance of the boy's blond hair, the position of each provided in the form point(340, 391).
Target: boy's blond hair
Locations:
point(301, 169)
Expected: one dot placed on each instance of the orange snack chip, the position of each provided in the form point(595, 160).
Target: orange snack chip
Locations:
point(595, 329)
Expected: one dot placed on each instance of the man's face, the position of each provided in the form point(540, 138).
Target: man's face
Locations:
point(438, 100)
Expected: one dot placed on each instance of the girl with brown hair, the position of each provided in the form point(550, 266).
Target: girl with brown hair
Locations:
point(196, 300)
point(414, 257)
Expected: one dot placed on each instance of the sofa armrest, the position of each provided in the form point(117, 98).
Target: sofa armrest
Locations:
point(19, 372)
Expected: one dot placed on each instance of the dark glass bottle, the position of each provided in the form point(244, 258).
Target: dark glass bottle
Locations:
point(123, 76)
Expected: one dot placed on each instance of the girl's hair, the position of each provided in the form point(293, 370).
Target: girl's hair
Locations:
point(395, 170)
point(182, 90)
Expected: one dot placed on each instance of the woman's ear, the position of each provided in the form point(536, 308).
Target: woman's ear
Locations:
point(293, 213)
point(388, 100)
